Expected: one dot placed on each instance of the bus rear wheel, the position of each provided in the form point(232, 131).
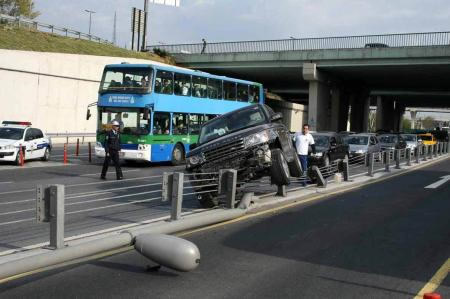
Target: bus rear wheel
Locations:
point(177, 155)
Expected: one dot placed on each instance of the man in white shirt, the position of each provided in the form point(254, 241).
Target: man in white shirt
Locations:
point(302, 142)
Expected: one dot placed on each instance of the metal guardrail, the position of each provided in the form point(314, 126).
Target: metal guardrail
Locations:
point(400, 40)
point(23, 22)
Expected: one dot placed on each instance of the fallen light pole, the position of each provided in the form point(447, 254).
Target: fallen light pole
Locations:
point(169, 251)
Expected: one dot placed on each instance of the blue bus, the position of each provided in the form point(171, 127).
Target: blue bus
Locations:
point(161, 107)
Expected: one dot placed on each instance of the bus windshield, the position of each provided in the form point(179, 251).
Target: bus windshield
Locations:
point(132, 120)
point(127, 80)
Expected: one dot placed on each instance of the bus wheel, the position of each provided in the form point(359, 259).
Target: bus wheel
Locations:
point(177, 155)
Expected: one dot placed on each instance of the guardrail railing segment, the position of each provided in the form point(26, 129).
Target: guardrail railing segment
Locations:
point(23, 22)
point(322, 43)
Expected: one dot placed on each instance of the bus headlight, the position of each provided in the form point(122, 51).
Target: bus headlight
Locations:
point(261, 137)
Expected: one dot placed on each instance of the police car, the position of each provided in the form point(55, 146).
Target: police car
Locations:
point(14, 135)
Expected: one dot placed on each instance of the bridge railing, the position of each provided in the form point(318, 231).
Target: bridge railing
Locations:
point(302, 44)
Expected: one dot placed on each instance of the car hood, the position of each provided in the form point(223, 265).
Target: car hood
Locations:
point(357, 147)
point(4, 142)
point(218, 142)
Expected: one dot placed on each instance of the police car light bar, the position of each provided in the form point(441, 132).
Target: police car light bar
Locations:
point(17, 123)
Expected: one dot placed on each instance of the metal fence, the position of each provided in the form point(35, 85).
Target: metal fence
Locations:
point(302, 44)
point(27, 23)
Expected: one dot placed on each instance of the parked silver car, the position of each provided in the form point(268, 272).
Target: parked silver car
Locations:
point(412, 140)
point(362, 143)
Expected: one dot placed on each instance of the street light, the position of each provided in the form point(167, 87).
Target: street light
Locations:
point(293, 45)
point(90, 12)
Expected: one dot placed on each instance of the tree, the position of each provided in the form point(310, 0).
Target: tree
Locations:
point(428, 123)
point(23, 8)
point(406, 124)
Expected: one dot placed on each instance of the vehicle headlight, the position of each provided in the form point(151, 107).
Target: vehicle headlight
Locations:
point(320, 154)
point(261, 137)
point(360, 151)
point(195, 160)
point(9, 147)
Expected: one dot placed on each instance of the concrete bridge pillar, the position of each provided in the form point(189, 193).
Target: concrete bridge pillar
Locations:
point(319, 98)
point(339, 110)
point(398, 116)
point(385, 114)
point(359, 116)
point(413, 118)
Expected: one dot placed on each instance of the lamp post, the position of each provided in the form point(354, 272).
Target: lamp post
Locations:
point(293, 46)
point(90, 12)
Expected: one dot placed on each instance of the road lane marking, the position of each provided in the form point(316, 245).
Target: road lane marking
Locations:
point(16, 212)
point(435, 281)
point(17, 221)
point(6, 182)
point(88, 184)
point(439, 183)
point(16, 202)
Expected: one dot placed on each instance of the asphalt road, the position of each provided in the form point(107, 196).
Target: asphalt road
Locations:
point(384, 240)
point(91, 204)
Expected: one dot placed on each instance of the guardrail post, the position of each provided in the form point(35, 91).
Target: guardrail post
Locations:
point(435, 150)
point(397, 158)
point(447, 145)
point(321, 182)
point(177, 195)
point(343, 167)
point(90, 152)
point(167, 186)
point(408, 156)
point(386, 160)
point(416, 154)
point(371, 160)
point(430, 151)
point(50, 208)
point(227, 186)
point(282, 191)
point(425, 152)
point(77, 150)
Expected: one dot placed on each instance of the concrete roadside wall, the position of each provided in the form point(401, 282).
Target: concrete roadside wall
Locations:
point(52, 90)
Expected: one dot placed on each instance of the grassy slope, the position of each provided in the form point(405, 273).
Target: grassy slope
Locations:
point(26, 40)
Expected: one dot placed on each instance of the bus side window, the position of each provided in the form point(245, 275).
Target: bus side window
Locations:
point(214, 89)
point(164, 82)
point(182, 84)
point(254, 94)
point(179, 124)
point(229, 90)
point(242, 92)
point(199, 87)
point(161, 123)
point(194, 123)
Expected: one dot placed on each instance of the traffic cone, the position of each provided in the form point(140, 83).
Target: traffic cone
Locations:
point(65, 153)
point(21, 156)
point(431, 296)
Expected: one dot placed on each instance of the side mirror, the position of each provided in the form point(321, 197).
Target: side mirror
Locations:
point(193, 146)
point(276, 116)
point(88, 114)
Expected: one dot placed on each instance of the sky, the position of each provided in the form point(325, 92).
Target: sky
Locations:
point(235, 20)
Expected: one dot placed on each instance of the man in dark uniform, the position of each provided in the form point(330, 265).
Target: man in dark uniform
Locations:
point(112, 149)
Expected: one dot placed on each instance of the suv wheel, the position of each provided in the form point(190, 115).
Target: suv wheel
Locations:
point(208, 200)
point(280, 169)
point(295, 168)
point(46, 156)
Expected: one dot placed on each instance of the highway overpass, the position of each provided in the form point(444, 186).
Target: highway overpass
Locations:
point(335, 74)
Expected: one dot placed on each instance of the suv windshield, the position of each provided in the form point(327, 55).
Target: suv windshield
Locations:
point(357, 140)
point(11, 133)
point(129, 80)
point(229, 123)
point(321, 140)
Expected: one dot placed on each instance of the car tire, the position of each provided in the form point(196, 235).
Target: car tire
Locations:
point(178, 155)
point(279, 171)
point(17, 160)
point(46, 156)
point(295, 168)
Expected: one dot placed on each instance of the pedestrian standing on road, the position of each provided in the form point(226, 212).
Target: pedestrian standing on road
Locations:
point(112, 149)
point(204, 46)
point(302, 142)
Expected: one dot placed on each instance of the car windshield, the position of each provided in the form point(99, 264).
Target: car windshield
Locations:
point(11, 133)
point(409, 137)
point(321, 140)
point(388, 139)
point(232, 122)
point(127, 80)
point(357, 140)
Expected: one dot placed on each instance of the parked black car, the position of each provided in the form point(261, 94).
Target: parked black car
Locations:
point(329, 148)
point(251, 140)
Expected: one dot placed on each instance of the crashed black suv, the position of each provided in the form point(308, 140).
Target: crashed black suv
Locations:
point(251, 140)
